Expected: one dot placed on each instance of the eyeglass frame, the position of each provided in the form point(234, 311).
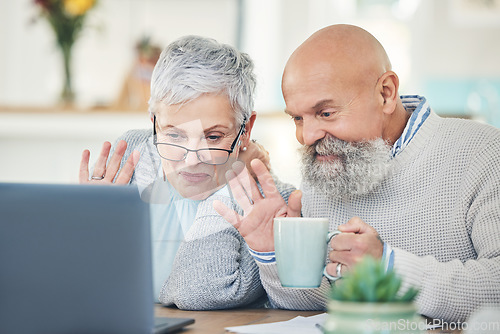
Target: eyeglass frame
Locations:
point(231, 150)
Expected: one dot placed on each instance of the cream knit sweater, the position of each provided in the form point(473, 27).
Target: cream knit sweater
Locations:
point(439, 210)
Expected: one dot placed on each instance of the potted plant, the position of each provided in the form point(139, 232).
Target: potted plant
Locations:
point(368, 300)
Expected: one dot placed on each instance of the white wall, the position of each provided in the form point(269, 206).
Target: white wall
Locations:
point(30, 66)
point(47, 147)
point(451, 41)
point(424, 38)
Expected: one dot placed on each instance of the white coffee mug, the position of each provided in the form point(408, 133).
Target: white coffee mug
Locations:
point(300, 245)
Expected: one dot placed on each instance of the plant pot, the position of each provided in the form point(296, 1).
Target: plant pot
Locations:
point(371, 318)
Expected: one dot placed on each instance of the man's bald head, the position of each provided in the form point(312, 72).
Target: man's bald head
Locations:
point(346, 49)
point(339, 82)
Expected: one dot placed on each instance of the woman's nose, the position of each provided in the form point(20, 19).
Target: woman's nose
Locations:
point(192, 158)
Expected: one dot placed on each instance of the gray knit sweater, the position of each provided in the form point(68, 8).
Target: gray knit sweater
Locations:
point(213, 268)
point(439, 210)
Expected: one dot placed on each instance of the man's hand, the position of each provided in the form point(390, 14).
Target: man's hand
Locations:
point(356, 240)
point(106, 174)
point(256, 224)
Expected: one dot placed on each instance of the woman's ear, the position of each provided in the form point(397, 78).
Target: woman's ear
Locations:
point(388, 88)
point(245, 137)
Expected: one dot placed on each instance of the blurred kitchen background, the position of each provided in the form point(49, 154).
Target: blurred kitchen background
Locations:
point(447, 50)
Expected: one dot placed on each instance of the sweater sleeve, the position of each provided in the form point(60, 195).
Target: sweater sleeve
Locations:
point(452, 290)
point(289, 298)
point(213, 268)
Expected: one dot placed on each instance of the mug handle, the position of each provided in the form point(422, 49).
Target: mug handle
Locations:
point(329, 237)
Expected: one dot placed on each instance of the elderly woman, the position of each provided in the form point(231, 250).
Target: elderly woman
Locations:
point(201, 108)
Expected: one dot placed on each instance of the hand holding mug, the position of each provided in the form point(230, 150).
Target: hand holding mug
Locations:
point(357, 240)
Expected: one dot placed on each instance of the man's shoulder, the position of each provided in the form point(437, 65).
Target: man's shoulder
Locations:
point(468, 131)
point(469, 126)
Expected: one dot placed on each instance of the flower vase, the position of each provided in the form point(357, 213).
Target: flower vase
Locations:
point(67, 94)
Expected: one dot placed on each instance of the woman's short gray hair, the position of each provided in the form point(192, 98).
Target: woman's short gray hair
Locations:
point(194, 65)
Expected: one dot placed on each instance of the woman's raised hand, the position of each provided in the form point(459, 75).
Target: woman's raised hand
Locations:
point(103, 174)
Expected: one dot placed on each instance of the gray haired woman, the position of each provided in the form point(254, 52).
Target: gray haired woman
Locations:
point(201, 107)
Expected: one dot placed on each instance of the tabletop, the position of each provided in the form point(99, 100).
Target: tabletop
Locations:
point(215, 322)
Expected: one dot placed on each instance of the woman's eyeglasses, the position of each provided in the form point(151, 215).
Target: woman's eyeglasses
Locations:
point(209, 156)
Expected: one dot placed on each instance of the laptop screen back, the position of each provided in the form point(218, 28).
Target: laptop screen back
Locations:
point(74, 259)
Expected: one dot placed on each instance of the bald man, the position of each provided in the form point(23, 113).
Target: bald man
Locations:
point(419, 192)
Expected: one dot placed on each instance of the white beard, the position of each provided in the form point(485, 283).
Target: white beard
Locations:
point(359, 168)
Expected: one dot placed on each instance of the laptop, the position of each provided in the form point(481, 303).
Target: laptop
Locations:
point(76, 259)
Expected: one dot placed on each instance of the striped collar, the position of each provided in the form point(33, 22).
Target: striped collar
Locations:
point(420, 110)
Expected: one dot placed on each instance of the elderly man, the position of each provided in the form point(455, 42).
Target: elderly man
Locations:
point(417, 191)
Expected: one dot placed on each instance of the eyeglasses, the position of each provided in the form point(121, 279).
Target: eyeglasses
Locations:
point(209, 156)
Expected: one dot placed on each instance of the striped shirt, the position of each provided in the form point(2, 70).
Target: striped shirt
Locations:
point(420, 110)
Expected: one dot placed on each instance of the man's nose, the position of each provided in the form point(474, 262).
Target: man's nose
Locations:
point(312, 131)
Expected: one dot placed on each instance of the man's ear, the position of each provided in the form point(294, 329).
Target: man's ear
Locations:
point(248, 129)
point(388, 85)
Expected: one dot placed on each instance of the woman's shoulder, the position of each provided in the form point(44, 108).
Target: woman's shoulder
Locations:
point(223, 195)
point(136, 137)
point(140, 140)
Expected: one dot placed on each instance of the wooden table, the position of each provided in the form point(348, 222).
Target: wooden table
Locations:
point(214, 322)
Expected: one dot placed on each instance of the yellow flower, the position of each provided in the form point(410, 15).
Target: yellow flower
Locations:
point(78, 7)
